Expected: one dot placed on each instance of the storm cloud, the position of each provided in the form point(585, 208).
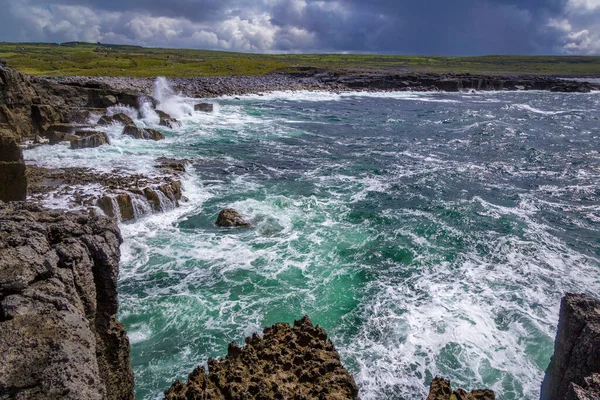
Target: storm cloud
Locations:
point(433, 27)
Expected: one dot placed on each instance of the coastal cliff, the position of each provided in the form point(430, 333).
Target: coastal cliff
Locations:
point(59, 335)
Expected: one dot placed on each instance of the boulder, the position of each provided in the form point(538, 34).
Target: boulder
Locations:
point(231, 218)
point(287, 362)
point(167, 120)
point(204, 107)
point(120, 118)
point(440, 389)
point(57, 133)
point(140, 133)
point(59, 335)
point(13, 178)
point(576, 349)
point(89, 139)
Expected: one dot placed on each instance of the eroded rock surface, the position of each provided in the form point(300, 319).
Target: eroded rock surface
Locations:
point(441, 389)
point(230, 218)
point(288, 362)
point(59, 336)
point(576, 349)
point(13, 180)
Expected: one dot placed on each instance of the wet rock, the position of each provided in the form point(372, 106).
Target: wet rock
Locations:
point(13, 178)
point(57, 133)
point(89, 139)
point(576, 349)
point(440, 389)
point(43, 116)
point(204, 107)
point(171, 164)
point(589, 391)
point(288, 362)
point(231, 218)
point(167, 120)
point(140, 133)
point(58, 303)
point(120, 118)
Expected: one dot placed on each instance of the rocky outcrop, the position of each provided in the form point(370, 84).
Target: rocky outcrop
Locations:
point(121, 196)
point(13, 180)
point(288, 362)
point(576, 350)
point(140, 133)
point(59, 336)
point(440, 389)
point(167, 120)
point(120, 118)
point(229, 218)
point(89, 139)
point(589, 391)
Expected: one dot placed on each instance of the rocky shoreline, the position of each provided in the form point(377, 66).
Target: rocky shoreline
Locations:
point(316, 80)
point(59, 335)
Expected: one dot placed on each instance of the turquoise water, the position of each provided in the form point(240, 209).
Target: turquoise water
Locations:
point(430, 234)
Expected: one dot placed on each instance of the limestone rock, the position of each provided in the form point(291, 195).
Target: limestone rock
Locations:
point(440, 389)
point(120, 118)
point(43, 116)
point(204, 107)
point(89, 139)
point(167, 120)
point(13, 178)
point(231, 218)
point(288, 362)
point(59, 334)
point(139, 133)
point(576, 349)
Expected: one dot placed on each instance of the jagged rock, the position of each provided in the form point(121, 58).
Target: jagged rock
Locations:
point(231, 218)
point(577, 346)
point(139, 133)
point(40, 140)
point(590, 391)
point(167, 120)
point(204, 107)
point(59, 335)
point(89, 139)
point(288, 362)
point(44, 116)
point(120, 118)
point(13, 178)
point(109, 100)
point(440, 389)
point(57, 133)
point(171, 164)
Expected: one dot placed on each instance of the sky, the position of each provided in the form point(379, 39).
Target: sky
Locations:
point(424, 27)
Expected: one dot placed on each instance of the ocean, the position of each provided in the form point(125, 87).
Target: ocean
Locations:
point(428, 233)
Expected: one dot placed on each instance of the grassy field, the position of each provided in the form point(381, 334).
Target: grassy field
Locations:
point(88, 59)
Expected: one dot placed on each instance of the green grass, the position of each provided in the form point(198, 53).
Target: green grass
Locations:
point(87, 59)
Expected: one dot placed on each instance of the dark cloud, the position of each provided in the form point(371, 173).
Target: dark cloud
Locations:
point(460, 27)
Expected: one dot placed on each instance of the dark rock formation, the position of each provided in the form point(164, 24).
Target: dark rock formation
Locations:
point(576, 349)
point(13, 180)
point(440, 389)
point(120, 118)
point(204, 107)
point(59, 336)
point(288, 362)
point(167, 120)
point(139, 133)
point(88, 139)
point(231, 218)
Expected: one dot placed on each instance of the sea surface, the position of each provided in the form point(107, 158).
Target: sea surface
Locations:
point(428, 233)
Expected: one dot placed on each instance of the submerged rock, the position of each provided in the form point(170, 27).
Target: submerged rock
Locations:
point(204, 107)
point(140, 133)
point(440, 389)
point(89, 139)
point(576, 349)
point(13, 179)
point(288, 362)
point(59, 335)
point(231, 218)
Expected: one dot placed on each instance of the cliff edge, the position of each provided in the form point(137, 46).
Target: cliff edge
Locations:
point(59, 336)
